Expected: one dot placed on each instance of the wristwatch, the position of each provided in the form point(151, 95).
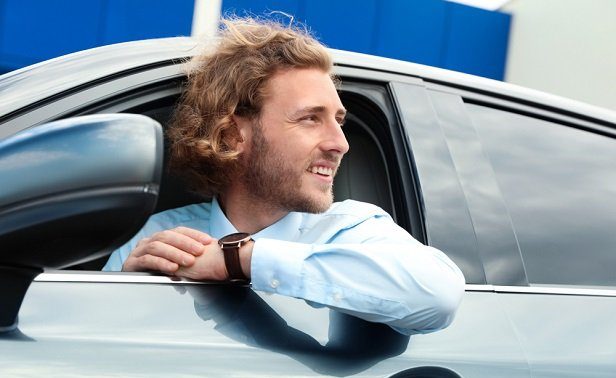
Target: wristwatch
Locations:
point(231, 245)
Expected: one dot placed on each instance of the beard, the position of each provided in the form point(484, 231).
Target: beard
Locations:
point(277, 183)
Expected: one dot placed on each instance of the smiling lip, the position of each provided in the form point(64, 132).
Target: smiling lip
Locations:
point(323, 171)
point(324, 168)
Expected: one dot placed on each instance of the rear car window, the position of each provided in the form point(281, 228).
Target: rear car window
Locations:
point(559, 184)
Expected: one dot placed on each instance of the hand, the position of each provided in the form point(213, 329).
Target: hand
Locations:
point(168, 250)
point(211, 264)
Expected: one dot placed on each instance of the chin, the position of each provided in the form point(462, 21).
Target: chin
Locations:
point(313, 204)
point(323, 203)
point(320, 207)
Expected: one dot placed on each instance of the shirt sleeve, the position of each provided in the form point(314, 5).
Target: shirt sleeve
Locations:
point(157, 222)
point(373, 270)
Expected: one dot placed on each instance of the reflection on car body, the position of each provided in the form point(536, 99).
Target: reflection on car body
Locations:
point(516, 186)
point(240, 314)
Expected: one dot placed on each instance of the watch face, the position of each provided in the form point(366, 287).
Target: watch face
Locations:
point(234, 238)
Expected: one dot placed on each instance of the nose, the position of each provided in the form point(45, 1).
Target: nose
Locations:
point(335, 140)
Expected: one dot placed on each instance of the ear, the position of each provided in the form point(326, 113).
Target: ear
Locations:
point(244, 128)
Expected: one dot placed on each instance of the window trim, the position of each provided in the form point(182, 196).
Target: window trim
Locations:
point(68, 276)
point(545, 113)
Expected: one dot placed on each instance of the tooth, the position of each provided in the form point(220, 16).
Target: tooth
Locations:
point(314, 169)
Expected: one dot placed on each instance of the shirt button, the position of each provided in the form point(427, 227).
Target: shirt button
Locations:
point(274, 283)
point(337, 297)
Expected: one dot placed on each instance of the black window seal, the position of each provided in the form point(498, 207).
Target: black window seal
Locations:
point(398, 157)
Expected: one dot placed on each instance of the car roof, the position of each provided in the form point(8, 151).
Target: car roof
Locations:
point(60, 74)
point(67, 72)
point(471, 82)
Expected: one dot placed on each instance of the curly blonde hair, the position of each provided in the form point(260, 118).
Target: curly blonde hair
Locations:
point(229, 79)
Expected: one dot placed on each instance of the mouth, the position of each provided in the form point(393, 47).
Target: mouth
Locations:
point(321, 170)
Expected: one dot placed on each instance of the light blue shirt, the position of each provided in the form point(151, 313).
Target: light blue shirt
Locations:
point(352, 258)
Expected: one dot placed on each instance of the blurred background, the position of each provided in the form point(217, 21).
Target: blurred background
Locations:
point(564, 47)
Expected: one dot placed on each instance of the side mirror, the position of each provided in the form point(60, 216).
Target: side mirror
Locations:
point(71, 191)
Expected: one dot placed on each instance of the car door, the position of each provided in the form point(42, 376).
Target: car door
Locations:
point(557, 178)
point(539, 185)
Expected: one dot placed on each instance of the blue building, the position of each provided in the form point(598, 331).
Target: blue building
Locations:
point(433, 32)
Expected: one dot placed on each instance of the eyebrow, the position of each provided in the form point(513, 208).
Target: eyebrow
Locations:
point(315, 109)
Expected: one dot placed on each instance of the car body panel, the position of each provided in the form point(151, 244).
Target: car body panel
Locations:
point(565, 335)
point(192, 328)
point(185, 328)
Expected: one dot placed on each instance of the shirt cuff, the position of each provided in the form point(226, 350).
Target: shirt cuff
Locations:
point(276, 266)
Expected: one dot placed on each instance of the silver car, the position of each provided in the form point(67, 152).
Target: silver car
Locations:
point(516, 186)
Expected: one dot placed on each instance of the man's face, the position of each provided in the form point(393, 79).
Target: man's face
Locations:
point(297, 143)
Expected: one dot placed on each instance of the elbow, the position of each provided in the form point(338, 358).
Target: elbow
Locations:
point(444, 289)
point(445, 304)
point(438, 307)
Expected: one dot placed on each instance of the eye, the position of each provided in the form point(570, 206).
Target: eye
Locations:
point(341, 121)
point(310, 118)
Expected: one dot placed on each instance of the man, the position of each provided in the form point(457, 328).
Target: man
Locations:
point(258, 130)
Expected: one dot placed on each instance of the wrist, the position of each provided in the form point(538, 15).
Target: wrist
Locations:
point(236, 256)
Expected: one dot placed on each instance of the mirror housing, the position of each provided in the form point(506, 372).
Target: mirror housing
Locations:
point(72, 191)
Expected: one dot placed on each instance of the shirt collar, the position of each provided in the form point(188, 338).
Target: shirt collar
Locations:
point(219, 224)
point(286, 228)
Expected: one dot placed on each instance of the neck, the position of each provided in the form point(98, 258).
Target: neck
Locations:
point(246, 213)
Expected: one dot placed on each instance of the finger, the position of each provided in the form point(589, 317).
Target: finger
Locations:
point(199, 236)
point(179, 241)
point(149, 262)
point(142, 242)
point(159, 264)
point(168, 252)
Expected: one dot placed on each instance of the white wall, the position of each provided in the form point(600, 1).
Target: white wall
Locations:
point(564, 47)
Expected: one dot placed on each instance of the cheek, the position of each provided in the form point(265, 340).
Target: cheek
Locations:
point(295, 147)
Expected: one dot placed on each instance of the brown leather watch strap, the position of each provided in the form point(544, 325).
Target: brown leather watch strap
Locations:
point(232, 262)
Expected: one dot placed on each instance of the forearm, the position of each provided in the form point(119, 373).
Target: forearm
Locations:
point(410, 287)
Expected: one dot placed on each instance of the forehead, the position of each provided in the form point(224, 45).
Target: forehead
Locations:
point(302, 87)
